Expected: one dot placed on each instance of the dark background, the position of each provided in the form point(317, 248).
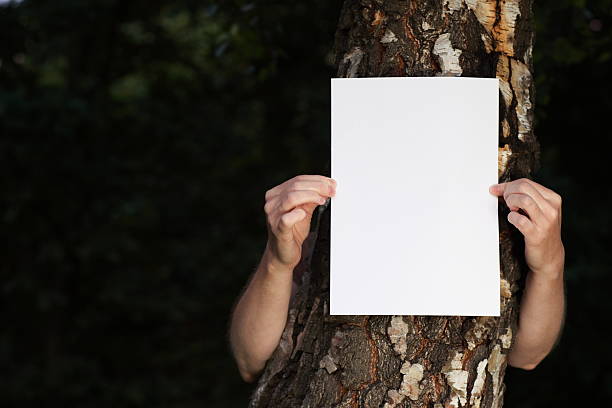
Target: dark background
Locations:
point(137, 139)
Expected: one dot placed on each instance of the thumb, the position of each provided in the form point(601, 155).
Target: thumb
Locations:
point(288, 220)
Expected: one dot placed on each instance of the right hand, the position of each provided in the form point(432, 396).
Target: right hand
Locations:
point(289, 207)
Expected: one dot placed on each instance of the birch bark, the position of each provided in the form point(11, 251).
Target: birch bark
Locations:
point(415, 361)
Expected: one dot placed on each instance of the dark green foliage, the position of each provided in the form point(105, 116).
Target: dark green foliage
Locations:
point(137, 140)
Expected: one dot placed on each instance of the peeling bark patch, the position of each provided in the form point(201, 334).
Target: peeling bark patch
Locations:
point(506, 91)
point(378, 18)
point(479, 332)
point(389, 37)
point(353, 59)
point(327, 362)
point(504, 30)
point(527, 58)
point(476, 393)
point(397, 332)
point(496, 362)
point(502, 159)
point(488, 42)
point(394, 399)
point(505, 129)
point(505, 289)
point(451, 5)
point(410, 386)
point(503, 74)
point(484, 10)
point(506, 338)
point(413, 374)
point(457, 379)
point(448, 57)
point(521, 83)
point(499, 32)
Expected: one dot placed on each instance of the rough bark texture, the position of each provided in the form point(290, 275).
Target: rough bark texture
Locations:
point(414, 361)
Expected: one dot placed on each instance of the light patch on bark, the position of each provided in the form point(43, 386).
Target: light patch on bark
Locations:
point(327, 362)
point(353, 59)
point(448, 57)
point(528, 55)
point(503, 74)
point(484, 10)
point(410, 386)
point(451, 5)
point(501, 33)
point(397, 332)
point(476, 393)
point(300, 337)
point(506, 91)
point(505, 129)
point(503, 68)
point(394, 399)
point(378, 18)
point(502, 159)
point(389, 37)
point(487, 41)
point(505, 289)
point(496, 362)
point(506, 338)
point(413, 374)
point(426, 26)
point(521, 82)
point(456, 363)
point(457, 379)
point(477, 333)
point(504, 30)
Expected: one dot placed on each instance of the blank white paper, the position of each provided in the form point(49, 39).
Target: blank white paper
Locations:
point(413, 228)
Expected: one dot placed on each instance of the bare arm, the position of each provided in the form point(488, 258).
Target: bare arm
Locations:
point(260, 315)
point(542, 310)
point(541, 319)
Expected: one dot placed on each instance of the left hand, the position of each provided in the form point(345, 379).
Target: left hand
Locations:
point(541, 226)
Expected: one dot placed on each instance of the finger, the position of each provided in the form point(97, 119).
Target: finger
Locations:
point(288, 220)
point(547, 193)
point(302, 177)
point(274, 204)
point(292, 199)
point(522, 223)
point(516, 201)
point(522, 186)
point(323, 187)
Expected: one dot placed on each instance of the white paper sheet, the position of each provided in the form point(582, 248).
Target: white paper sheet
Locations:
point(413, 228)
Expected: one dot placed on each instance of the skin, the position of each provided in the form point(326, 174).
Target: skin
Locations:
point(259, 317)
point(542, 311)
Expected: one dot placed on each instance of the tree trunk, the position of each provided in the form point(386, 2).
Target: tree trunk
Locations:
point(415, 361)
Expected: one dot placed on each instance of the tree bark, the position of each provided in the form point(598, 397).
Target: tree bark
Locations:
point(415, 361)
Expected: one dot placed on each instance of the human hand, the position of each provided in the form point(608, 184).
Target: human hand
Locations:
point(540, 223)
point(289, 208)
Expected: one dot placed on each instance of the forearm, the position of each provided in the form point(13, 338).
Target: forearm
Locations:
point(260, 316)
point(541, 319)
